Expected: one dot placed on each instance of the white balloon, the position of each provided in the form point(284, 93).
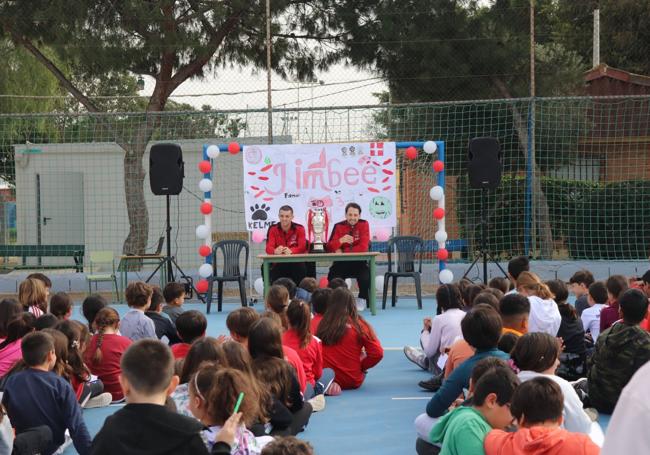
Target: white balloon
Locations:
point(213, 151)
point(205, 270)
point(259, 286)
point(441, 236)
point(202, 231)
point(446, 276)
point(436, 193)
point(205, 185)
point(348, 283)
point(430, 147)
point(379, 282)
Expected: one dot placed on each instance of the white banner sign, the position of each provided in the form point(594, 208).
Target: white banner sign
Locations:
point(320, 175)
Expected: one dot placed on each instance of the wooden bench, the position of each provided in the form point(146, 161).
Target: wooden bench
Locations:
point(76, 252)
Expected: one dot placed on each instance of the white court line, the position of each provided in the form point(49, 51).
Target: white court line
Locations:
point(393, 349)
point(411, 398)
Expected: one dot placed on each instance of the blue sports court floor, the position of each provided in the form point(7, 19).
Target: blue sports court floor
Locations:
point(376, 419)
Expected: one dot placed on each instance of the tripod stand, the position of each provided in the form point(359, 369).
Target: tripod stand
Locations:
point(483, 252)
point(169, 262)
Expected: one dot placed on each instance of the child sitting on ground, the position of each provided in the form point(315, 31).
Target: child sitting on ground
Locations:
point(10, 348)
point(579, 284)
point(440, 333)
point(37, 396)
point(289, 284)
point(345, 335)
point(305, 289)
point(213, 395)
point(500, 283)
point(463, 430)
point(33, 296)
point(537, 405)
point(239, 324)
point(135, 325)
point(544, 313)
point(277, 300)
point(145, 424)
point(620, 351)
point(616, 286)
point(105, 351)
point(162, 322)
point(597, 300)
point(61, 306)
point(174, 294)
point(90, 307)
point(319, 299)
point(190, 326)
point(574, 355)
point(288, 445)
point(308, 347)
point(516, 266)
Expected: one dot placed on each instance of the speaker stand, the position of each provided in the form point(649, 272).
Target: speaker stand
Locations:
point(169, 261)
point(483, 253)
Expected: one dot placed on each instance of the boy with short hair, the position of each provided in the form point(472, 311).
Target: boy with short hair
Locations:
point(463, 430)
point(537, 405)
point(174, 294)
point(319, 299)
point(162, 323)
point(514, 310)
point(90, 307)
point(597, 300)
point(481, 328)
point(37, 396)
point(43, 279)
point(515, 267)
point(190, 326)
point(306, 287)
point(135, 325)
point(145, 425)
point(620, 351)
point(579, 284)
point(239, 323)
point(287, 283)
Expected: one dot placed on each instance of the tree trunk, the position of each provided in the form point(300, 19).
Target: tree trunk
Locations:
point(540, 203)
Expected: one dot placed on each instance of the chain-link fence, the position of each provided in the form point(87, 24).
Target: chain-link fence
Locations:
point(576, 181)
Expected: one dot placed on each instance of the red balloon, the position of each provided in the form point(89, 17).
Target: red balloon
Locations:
point(202, 286)
point(442, 254)
point(205, 250)
point(323, 282)
point(233, 148)
point(411, 153)
point(206, 208)
point(205, 166)
point(439, 213)
point(438, 166)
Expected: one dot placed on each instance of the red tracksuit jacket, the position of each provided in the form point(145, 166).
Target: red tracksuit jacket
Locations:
point(360, 232)
point(294, 238)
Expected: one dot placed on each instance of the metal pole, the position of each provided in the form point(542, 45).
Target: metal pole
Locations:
point(269, 103)
point(596, 55)
point(531, 132)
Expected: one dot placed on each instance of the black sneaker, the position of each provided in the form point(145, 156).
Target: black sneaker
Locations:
point(432, 384)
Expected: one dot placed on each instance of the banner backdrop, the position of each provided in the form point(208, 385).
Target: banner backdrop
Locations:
point(320, 175)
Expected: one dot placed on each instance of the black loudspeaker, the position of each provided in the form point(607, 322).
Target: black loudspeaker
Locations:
point(166, 169)
point(484, 163)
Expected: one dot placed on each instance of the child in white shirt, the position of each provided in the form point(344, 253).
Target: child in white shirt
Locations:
point(597, 299)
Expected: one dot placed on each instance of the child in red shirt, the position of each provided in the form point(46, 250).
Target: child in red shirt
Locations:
point(190, 326)
point(105, 351)
point(319, 300)
point(308, 347)
point(350, 346)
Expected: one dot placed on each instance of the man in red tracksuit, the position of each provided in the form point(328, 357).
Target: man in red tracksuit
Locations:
point(351, 235)
point(287, 237)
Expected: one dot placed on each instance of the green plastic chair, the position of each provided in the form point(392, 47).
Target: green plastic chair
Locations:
point(102, 268)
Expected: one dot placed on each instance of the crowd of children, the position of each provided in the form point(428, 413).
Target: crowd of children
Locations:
point(565, 364)
point(184, 392)
point(515, 369)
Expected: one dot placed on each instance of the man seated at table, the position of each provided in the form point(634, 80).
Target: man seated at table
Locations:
point(351, 236)
point(286, 237)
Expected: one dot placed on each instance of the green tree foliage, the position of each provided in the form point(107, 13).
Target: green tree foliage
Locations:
point(171, 41)
point(21, 73)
